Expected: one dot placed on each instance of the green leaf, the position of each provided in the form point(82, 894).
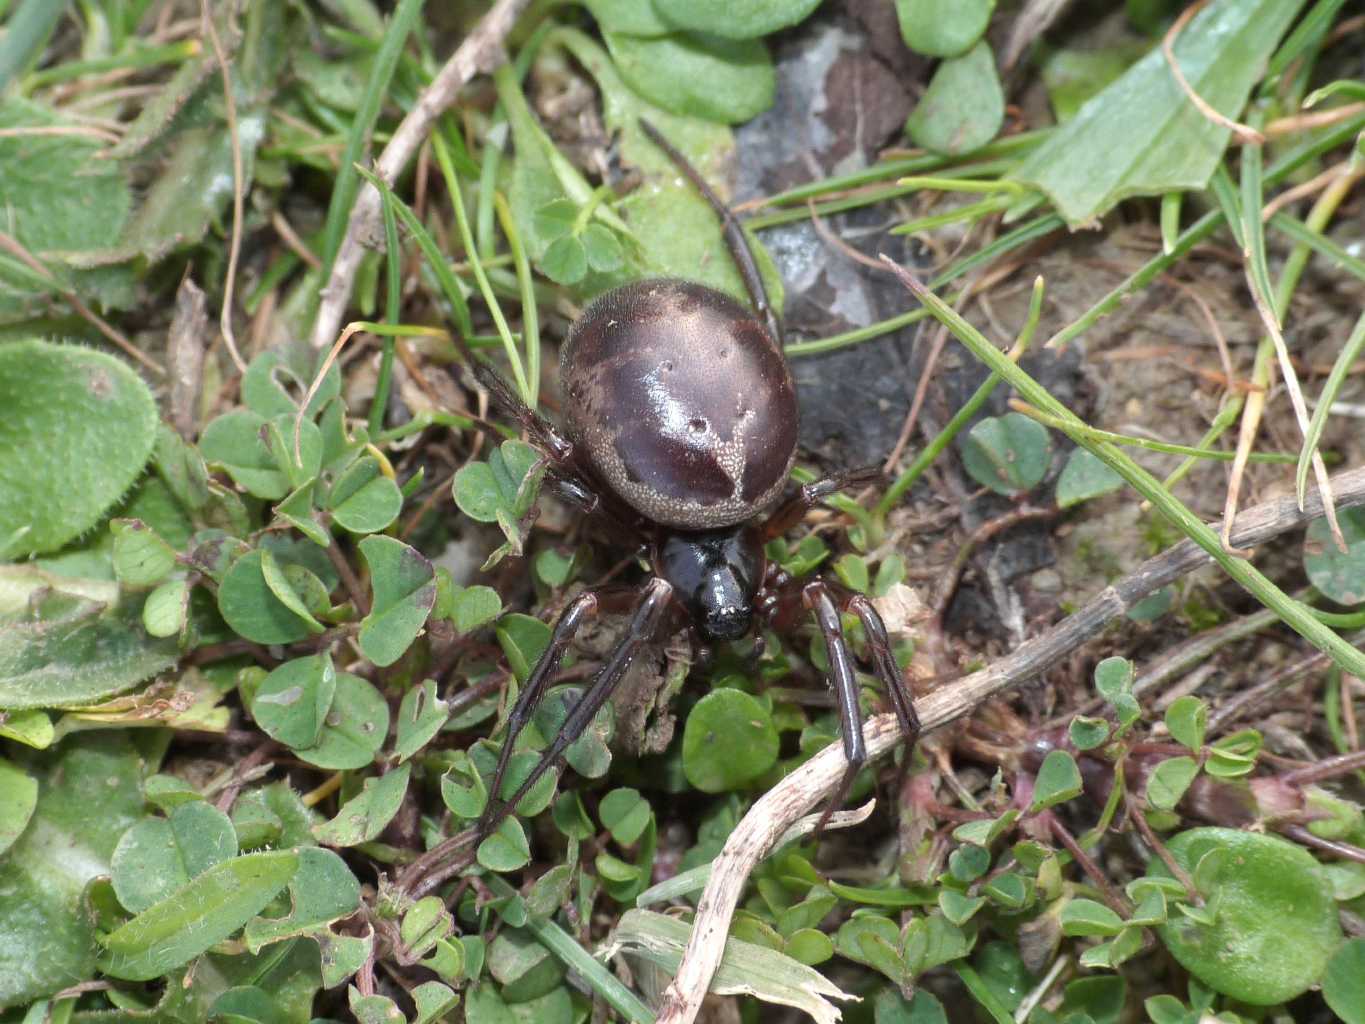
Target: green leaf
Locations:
point(625, 814)
point(1275, 928)
point(18, 799)
point(46, 870)
point(404, 585)
point(432, 1000)
point(525, 969)
point(159, 856)
point(505, 849)
point(1114, 678)
point(958, 907)
point(943, 28)
point(523, 639)
point(473, 607)
point(296, 446)
point(1339, 575)
point(1142, 135)
point(77, 429)
point(873, 941)
point(420, 718)
point(292, 702)
point(323, 890)
point(31, 727)
point(1086, 917)
point(237, 441)
point(295, 588)
point(605, 254)
point(1058, 780)
point(964, 106)
point(734, 19)
point(364, 500)
point(1187, 719)
point(564, 262)
point(373, 1009)
point(367, 814)
point(463, 790)
point(729, 741)
point(278, 378)
point(166, 609)
point(206, 911)
point(424, 924)
point(1169, 780)
point(71, 652)
point(63, 202)
point(1088, 733)
point(809, 946)
point(342, 956)
point(1007, 454)
point(556, 218)
point(852, 572)
point(252, 608)
point(141, 558)
point(1084, 477)
point(354, 729)
point(1343, 986)
point(501, 490)
point(705, 76)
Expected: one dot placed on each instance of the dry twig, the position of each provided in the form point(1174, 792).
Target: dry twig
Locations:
point(814, 781)
point(481, 51)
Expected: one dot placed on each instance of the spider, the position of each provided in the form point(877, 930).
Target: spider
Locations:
point(680, 428)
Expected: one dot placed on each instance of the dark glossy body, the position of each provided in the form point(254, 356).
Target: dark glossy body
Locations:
point(716, 577)
point(681, 403)
point(681, 418)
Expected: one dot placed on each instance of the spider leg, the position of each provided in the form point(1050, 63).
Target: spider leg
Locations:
point(735, 239)
point(844, 683)
point(794, 509)
point(884, 664)
point(582, 607)
point(644, 623)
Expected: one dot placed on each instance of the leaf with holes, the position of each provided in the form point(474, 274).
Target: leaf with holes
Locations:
point(292, 702)
point(420, 718)
point(365, 815)
point(404, 585)
point(354, 728)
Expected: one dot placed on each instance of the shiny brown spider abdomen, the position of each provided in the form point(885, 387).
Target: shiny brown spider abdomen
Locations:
point(681, 402)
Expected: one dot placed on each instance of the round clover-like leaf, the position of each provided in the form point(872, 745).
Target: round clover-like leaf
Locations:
point(158, 856)
point(250, 606)
point(404, 585)
point(729, 741)
point(506, 849)
point(1007, 454)
point(292, 702)
point(734, 19)
point(710, 77)
point(364, 500)
point(1339, 575)
point(78, 426)
point(1083, 477)
point(277, 380)
point(565, 261)
point(1274, 926)
point(365, 815)
point(166, 608)
point(963, 107)
point(1343, 986)
point(354, 728)
point(943, 28)
point(236, 441)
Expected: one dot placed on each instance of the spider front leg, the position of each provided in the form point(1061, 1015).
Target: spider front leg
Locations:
point(582, 607)
point(884, 664)
point(645, 620)
point(844, 682)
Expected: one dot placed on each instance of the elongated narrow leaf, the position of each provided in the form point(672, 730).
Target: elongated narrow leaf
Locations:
point(1142, 135)
point(205, 912)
